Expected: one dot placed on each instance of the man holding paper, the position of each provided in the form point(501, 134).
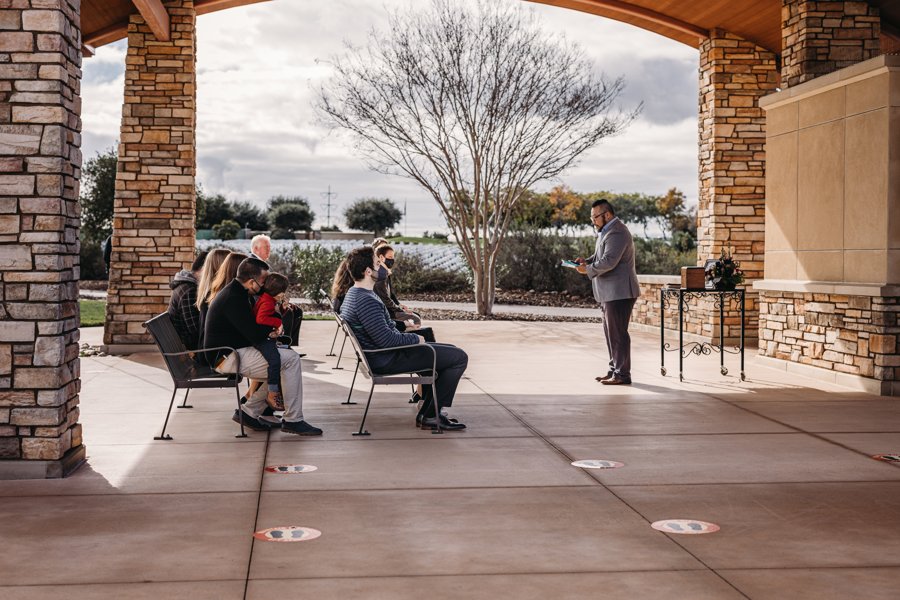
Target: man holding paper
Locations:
point(615, 285)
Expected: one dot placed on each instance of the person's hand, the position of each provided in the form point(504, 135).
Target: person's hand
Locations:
point(273, 334)
point(421, 339)
point(404, 308)
point(412, 326)
point(280, 330)
point(581, 261)
point(581, 269)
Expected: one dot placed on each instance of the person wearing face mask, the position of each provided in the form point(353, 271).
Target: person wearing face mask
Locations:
point(615, 285)
point(375, 329)
point(384, 288)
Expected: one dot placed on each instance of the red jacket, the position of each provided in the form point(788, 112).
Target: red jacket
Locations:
point(264, 311)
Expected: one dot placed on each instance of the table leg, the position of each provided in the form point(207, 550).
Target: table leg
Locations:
point(742, 334)
point(662, 333)
point(722, 368)
point(680, 336)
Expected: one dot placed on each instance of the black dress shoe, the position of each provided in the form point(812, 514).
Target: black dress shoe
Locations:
point(420, 416)
point(299, 428)
point(606, 377)
point(249, 422)
point(448, 424)
point(616, 381)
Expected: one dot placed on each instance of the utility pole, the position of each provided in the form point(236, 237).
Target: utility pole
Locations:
point(329, 196)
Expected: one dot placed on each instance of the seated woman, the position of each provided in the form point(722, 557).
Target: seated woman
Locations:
point(342, 282)
point(402, 316)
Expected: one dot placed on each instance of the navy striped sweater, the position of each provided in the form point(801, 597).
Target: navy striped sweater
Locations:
point(370, 320)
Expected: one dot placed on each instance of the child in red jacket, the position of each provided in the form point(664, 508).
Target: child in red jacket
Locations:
point(266, 312)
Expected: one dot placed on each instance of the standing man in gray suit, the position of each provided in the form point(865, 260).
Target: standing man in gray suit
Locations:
point(614, 281)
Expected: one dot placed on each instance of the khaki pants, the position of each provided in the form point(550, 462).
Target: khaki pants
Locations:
point(254, 366)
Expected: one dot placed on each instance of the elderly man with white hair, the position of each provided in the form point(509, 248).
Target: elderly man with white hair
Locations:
point(292, 315)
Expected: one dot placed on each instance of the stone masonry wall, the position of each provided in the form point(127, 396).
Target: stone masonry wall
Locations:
point(820, 36)
point(734, 75)
point(153, 228)
point(848, 334)
point(40, 162)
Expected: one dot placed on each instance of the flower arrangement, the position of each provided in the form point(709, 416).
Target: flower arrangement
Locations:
point(724, 273)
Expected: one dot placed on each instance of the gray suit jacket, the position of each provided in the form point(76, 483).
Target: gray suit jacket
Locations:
point(611, 268)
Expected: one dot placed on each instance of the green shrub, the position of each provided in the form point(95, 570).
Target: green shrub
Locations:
point(657, 257)
point(530, 260)
point(411, 276)
point(226, 230)
point(314, 268)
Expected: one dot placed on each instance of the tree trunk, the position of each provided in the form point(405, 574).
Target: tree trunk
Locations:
point(484, 287)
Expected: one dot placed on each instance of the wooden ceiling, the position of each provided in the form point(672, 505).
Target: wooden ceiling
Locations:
point(687, 21)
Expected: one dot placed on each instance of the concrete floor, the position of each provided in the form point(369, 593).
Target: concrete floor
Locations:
point(779, 463)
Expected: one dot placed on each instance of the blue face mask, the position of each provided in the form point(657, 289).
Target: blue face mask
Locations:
point(382, 274)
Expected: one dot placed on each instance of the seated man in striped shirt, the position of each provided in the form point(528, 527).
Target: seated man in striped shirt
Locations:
point(376, 330)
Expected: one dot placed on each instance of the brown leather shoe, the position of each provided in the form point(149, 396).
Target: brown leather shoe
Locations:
point(616, 381)
point(606, 377)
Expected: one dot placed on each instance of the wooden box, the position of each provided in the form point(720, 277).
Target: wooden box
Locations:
point(693, 278)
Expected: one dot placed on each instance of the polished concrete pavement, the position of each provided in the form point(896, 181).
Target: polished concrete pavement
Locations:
point(779, 462)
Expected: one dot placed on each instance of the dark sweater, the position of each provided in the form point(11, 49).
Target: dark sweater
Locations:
point(183, 309)
point(230, 321)
point(372, 324)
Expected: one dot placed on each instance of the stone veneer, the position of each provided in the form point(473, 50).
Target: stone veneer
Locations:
point(833, 224)
point(734, 75)
point(838, 330)
point(821, 36)
point(40, 162)
point(153, 228)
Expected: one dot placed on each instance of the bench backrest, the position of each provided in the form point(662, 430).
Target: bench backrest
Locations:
point(182, 367)
point(360, 355)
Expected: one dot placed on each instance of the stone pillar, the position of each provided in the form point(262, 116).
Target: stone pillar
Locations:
point(40, 124)
point(734, 75)
point(153, 226)
point(821, 36)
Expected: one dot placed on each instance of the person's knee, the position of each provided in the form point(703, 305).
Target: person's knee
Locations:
point(289, 358)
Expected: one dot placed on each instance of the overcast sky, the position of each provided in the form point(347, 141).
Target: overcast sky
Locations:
point(257, 135)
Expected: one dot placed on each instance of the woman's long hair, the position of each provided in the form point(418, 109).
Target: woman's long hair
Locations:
point(225, 274)
point(213, 262)
point(343, 281)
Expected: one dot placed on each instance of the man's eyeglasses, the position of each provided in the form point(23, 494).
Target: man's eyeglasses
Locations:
point(598, 215)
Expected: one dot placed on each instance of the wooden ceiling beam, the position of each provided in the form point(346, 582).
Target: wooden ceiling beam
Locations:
point(156, 16)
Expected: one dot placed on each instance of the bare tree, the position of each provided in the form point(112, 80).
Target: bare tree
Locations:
point(476, 104)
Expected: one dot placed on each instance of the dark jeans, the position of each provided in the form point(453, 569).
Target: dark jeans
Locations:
point(291, 320)
point(269, 350)
point(451, 364)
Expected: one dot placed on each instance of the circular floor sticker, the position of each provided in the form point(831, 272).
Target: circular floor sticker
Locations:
point(291, 469)
point(685, 526)
point(887, 457)
point(597, 464)
point(287, 534)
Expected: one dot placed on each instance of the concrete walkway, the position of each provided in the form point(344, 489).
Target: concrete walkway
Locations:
point(779, 463)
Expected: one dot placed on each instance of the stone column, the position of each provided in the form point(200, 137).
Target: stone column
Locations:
point(153, 226)
point(40, 124)
point(821, 36)
point(734, 75)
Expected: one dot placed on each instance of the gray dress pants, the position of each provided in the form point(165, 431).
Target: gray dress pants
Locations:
point(254, 366)
point(616, 316)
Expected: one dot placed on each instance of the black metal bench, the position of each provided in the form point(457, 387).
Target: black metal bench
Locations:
point(403, 378)
point(187, 373)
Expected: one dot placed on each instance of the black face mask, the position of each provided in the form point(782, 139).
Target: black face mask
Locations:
point(389, 262)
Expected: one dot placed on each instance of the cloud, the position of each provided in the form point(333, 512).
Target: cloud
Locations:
point(259, 67)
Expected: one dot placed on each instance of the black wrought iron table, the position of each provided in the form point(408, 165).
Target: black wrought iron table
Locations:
point(684, 297)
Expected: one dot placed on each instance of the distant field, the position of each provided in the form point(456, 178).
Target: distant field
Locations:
point(93, 312)
point(416, 240)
